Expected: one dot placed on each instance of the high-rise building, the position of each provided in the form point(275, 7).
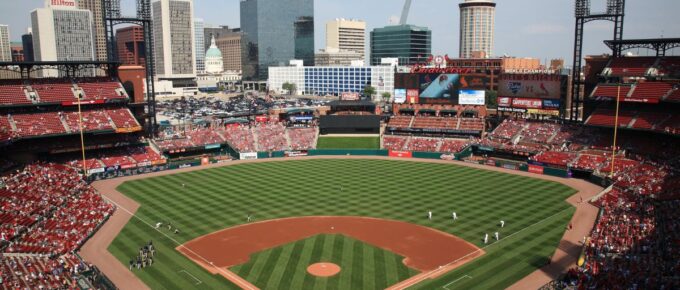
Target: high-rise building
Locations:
point(274, 32)
point(17, 51)
point(346, 35)
point(199, 43)
point(477, 28)
point(131, 46)
point(335, 57)
point(173, 33)
point(62, 33)
point(230, 46)
point(217, 31)
point(27, 41)
point(409, 43)
point(95, 6)
point(5, 50)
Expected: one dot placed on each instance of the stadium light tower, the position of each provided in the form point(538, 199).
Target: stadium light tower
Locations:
point(614, 13)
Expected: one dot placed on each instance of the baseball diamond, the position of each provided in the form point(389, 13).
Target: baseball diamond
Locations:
point(202, 202)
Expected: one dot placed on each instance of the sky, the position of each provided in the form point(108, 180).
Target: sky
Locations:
point(542, 29)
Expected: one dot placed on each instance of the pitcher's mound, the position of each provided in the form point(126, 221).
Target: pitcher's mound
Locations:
point(323, 269)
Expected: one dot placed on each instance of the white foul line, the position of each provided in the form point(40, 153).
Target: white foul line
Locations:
point(454, 281)
point(192, 276)
point(226, 273)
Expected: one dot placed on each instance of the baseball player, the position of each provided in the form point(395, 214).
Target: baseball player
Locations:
point(502, 224)
point(486, 238)
point(429, 215)
point(249, 217)
point(158, 225)
point(454, 216)
point(496, 234)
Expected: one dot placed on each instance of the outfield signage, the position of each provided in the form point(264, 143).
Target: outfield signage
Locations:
point(399, 96)
point(95, 170)
point(535, 169)
point(248, 156)
point(402, 154)
point(297, 153)
point(212, 146)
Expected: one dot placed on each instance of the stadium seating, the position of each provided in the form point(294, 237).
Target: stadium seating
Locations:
point(651, 90)
point(649, 120)
point(240, 138)
point(38, 124)
point(13, 94)
point(671, 125)
point(508, 129)
point(271, 137)
point(421, 144)
point(105, 90)
point(631, 66)
point(453, 145)
point(94, 120)
point(611, 91)
point(669, 66)
point(122, 118)
point(302, 138)
point(54, 93)
point(589, 162)
point(35, 272)
point(396, 143)
point(562, 159)
point(674, 96)
point(607, 118)
point(400, 121)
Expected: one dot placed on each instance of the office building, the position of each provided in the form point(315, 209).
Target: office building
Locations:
point(99, 35)
point(477, 28)
point(17, 49)
point(27, 41)
point(199, 43)
point(274, 32)
point(335, 57)
point(5, 50)
point(333, 80)
point(230, 46)
point(218, 31)
point(409, 43)
point(173, 33)
point(62, 33)
point(346, 35)
point(130, 45)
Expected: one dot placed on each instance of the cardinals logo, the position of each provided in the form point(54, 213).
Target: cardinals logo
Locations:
point(515, 87)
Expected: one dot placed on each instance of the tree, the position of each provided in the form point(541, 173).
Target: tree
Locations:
point(491, 99)
point(369, 91)
point(290, 87)
point(386, 96)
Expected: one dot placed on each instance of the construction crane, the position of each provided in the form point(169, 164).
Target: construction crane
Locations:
point(404, 12)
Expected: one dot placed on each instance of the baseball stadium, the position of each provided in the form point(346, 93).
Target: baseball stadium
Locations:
point(569, 179)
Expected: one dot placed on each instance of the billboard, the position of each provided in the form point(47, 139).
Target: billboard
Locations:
point(540, 86)
point(61, 3)
point(527, 103)
point(349, 96)
point(435, 87)
point(413, 96)
point(471, 97)
point(399, 96)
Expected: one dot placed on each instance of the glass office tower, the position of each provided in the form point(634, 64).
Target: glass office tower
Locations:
point(274, 32)
point(409, 43)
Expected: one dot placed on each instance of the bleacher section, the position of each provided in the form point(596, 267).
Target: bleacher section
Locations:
point(425, 144)
point(104, 90)
point(57, 91)
point(37, 124)
point(653, 91)
point(611, 91)
point(12, 94)
point(55, 123)
point(607, 118)
point(630, 66)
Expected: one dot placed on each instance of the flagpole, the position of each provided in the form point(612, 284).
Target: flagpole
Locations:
point(616, 130)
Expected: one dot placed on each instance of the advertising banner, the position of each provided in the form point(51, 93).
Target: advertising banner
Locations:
point(471, 97)
point(128, 166)
point(551, 104)
point(413, 96)
point(543, 112)
point(542, 86)
point(159, 162)
point(95, 170)
point(512, 110)
point(295, 153)
point(83, 102)
point(205, 161)
point(535, 169)
point(402, 154)
point(527, 103)
point(399, 96)
point(212, 146)
point(504, 102)
point(349, 96)
point(248, 156)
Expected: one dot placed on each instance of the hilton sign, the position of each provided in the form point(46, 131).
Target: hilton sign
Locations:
point(61, 3)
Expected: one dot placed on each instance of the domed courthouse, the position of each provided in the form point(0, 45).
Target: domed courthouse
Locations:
point(213, 59)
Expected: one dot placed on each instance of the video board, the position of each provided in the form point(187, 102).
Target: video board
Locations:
point(442, 88)
point(535, 86)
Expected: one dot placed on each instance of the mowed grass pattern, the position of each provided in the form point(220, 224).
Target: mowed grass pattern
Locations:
point(348, 143)
point(362, 266)
point(218, 198)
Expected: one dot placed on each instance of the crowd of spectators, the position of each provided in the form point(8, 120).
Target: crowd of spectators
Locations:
point(36, 272)
point(425, 144)
point(271, 136)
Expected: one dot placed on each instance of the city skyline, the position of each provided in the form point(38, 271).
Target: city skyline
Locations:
point(520, 31)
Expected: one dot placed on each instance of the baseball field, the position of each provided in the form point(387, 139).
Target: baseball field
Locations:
point(202, 203)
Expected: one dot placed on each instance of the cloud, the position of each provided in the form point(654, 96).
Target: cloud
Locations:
point(544, 28)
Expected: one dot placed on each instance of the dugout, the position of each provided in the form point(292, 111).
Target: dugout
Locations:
point(350, 117)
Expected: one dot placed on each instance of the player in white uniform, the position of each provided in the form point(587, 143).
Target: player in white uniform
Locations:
point(496, 234)
point(429, 215)
point(502, 224)
point(486, 238)
point(454, 216)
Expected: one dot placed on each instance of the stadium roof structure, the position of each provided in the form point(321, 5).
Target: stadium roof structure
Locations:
point(660, 45)
point(70, 67)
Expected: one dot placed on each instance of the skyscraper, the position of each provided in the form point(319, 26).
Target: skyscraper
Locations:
point(199, 43)
point(345, 34)
point(95, 6)
point(27, 41)
point(409, 43)
point(62, 33)
point(476, 28)
point(230, 46)
point(274, 32)
point(131, 46)
point(5, 51)
point(173, 33)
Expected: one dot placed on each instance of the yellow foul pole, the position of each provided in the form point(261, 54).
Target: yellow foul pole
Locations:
point(82, 140)
point(616, 130)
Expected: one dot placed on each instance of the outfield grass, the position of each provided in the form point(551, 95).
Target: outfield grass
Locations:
point(348, 143)
point(362, 266)
point(222, 197)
